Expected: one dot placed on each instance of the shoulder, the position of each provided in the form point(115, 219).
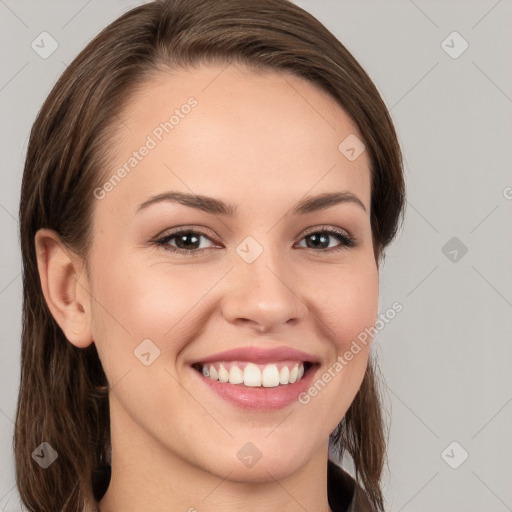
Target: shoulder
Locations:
point(344, 493)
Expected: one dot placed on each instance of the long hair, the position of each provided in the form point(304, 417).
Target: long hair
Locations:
point(63, 397)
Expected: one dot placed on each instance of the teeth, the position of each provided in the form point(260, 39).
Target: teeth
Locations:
point(253, 375)
point(223, 374)
point(236, 376)
point(293, 374)
point(270, 376)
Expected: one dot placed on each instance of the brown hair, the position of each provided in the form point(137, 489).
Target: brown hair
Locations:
point(63, 396)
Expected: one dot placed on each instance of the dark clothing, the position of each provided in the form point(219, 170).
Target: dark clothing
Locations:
point(343, 493)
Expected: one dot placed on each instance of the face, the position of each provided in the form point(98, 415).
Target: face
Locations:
point(175, 285)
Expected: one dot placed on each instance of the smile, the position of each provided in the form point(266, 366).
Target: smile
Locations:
point(249, 374)
point(256, 378)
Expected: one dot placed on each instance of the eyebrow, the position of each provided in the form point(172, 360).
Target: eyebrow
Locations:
point(218, 207)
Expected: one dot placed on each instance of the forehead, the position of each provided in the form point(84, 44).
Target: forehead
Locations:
point(223, 130)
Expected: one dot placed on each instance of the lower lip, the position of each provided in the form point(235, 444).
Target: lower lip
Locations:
point(259, 398)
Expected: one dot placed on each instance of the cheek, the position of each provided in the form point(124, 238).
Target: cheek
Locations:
point(359, 310)
point(346, 307)
point(347, 302)
point(349, 311)
point(135, 302)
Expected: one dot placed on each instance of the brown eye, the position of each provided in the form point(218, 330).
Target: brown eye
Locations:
point(321, 239)
point(186, 241)
point(189, 242)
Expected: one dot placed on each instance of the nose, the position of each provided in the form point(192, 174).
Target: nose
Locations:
point(263, 295)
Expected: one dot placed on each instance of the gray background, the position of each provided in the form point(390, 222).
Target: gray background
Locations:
point(446, 357)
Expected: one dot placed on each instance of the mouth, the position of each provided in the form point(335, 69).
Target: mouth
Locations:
point(253, 375)
point(256, 378)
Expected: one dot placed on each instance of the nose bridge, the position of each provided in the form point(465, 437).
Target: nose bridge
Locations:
point(262, 290)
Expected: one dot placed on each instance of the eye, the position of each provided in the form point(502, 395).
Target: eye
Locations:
point(189, 242)
point(320, 239)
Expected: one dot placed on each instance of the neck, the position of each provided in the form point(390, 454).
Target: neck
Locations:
point(162, 480)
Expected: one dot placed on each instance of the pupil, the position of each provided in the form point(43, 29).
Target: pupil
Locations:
point(193, 239)
point(316, 238)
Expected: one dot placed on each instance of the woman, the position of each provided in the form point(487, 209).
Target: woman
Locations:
point(207, 195)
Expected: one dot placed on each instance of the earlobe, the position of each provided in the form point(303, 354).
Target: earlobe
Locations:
point(60, 273)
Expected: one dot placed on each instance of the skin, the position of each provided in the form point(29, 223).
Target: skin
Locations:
point(262, 142)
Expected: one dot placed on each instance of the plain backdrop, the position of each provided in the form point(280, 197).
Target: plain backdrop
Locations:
point(446, 358)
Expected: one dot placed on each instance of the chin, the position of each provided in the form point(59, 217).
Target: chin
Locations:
point(250, 465)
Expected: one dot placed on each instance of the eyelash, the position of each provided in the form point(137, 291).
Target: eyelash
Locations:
point(346, 240)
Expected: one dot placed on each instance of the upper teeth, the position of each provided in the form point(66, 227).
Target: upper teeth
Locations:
point(253, 375)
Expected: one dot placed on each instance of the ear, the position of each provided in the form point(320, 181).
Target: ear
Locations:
point(64, 287)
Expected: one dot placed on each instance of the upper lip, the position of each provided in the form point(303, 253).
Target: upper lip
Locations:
point(258, 355)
